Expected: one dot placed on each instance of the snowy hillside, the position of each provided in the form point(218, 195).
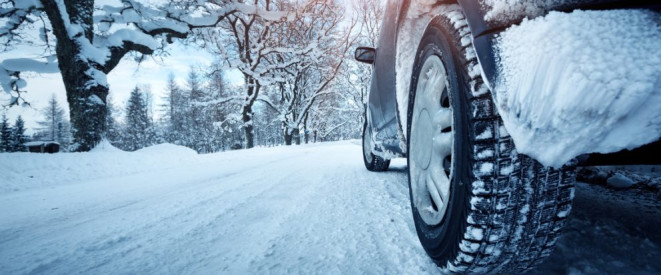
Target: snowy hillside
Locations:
point(302, 210)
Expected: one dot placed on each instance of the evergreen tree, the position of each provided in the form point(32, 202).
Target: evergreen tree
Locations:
point(18, 136)
point(147, 99)
point(138, 124)
point(112, 131)
point(53, 123)
point(196, 130)
point(219, 105)
point(64, 138)
point(176, 111)
point(5, 134)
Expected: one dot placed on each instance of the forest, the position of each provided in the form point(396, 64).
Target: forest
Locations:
point(299, 81)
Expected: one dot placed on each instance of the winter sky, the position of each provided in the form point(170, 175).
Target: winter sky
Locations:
point(153, 71)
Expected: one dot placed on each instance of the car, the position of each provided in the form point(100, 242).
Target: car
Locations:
point(479, 205)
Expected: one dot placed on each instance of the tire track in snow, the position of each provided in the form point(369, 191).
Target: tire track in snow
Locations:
point(368, 221)
point(144, 213)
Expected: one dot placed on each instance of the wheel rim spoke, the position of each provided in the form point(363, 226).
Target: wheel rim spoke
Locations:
point(442, 181)
point(434, 192)
point(443, 118)
point(443, 144)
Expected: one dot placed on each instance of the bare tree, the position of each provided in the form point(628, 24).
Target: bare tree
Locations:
point(370, 15)
point(84, 44)
point(358, 75)
point(320, 42)
point(246, 42)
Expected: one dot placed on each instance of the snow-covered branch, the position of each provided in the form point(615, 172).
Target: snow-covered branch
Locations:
point(92, 40)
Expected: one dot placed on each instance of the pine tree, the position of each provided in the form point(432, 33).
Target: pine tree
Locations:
point(112, 133)
point(176, 112)
point(18, 137)
point(64, 138)
point(53, 123)
point(196, 130)
point(138, 124)
point(147, 100)
point(5, 134)
point(217, 109)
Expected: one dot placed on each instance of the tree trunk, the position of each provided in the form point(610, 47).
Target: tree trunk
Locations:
point(248, 128)
point(297, 136)
point(246, 112)
point(288, 138)
point(87, 107)
point(86, 96)
point(292, 136)
point(287, 134)
point(305, 129)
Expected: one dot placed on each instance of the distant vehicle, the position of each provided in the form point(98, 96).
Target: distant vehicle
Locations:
point(478, 205)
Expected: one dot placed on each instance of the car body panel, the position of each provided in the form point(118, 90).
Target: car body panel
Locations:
point(382, 104)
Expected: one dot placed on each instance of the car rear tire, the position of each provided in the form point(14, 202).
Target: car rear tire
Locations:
point(372, 162)
point(478, 205)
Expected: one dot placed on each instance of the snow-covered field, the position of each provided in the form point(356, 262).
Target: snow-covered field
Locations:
point(302, 209)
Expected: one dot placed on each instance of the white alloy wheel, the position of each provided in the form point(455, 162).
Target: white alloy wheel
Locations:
point(431, 143)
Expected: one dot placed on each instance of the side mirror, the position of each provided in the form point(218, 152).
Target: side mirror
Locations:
point(365, 54)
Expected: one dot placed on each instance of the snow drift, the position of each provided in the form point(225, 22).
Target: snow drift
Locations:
point(581, 82)
point(28, 171)
point(508, 10)
point(105, 147)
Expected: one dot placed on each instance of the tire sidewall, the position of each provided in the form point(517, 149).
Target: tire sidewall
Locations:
point(368, 164)
point(442, 241)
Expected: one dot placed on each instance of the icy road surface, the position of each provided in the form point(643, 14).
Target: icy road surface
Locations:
point(301, 209)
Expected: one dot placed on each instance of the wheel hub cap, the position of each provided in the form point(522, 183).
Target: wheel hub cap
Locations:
point(431, 143)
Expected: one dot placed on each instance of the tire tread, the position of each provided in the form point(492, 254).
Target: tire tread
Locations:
point(517, 212)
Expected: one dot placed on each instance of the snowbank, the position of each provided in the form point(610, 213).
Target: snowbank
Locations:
point(105, 147)
point(167, 149)
point(32, 171)
point(23, 171)
point(581, 82)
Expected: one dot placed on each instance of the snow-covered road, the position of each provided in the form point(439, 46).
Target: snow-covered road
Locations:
point(302, 209)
